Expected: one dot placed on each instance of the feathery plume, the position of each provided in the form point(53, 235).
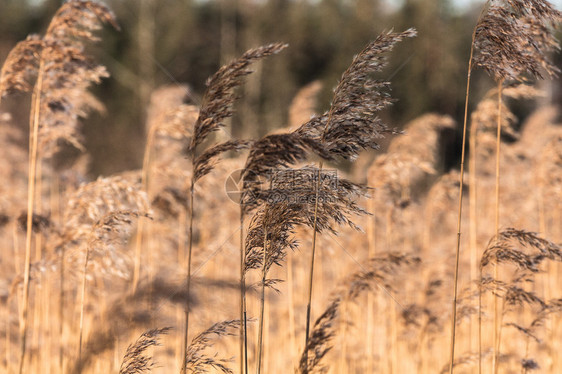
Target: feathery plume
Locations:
point(514, 37)
point(67, 72)
point(20, 67)
point(217, 105)
point(319, 341)
point(136, 361)
point(380, 272)
point(351, 124)
point(205, 162)
point(197, 360)
point(502, 249)
point(219, 97)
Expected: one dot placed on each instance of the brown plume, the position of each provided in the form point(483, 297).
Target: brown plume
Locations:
point(219, 97)
point(351, 123)
point(20, 68)
point(136, 361)
point(514, 37)
point(199, 361)
point(67, 72)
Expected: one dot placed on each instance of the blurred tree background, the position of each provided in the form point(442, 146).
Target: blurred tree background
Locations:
point(185, 41)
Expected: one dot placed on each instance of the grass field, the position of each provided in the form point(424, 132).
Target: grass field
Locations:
point(303, 251)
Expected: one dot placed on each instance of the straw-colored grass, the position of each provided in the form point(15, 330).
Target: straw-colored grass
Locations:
point(93, 270)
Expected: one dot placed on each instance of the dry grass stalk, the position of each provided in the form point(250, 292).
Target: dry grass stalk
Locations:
point(349, 126)
point(268, 157)
point(526, 251)
point(112, 224)
point(197, 360)
point(497, 323)
point(66, 73)
point(459, 217)
point(136, 361)
point(483, 120)
point(168, 117)
point(515, 37)
point(530, 253)
point(512, 38)
point(217, 105)
point(287, 204)
point(218, 100)
point(381, 273)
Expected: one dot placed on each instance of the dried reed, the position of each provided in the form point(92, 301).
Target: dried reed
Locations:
point(349, 126)
point(217, 106)
point(381, 273)
point(511, 38)
point(66, 72)
point(100, 235)
point(197, 360)
point(526, 251)
point(135, 360)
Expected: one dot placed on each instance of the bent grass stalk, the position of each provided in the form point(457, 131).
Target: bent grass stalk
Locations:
point(354, 101)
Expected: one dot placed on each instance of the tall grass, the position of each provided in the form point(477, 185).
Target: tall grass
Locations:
point(290, 184)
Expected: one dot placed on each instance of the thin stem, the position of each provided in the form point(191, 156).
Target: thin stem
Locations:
point(33, 145)
point(473, 207)
point(245, 338)
point(61, 311)
point(243, 344)
point(262, 302)
point(459, 218)
point(480, 322)
point(188, 277)
point(82, 302)
point(311, 273)
point(499, 340)
point(141, 223)
point(314, 228)
point(497, 224)
point(371, 237)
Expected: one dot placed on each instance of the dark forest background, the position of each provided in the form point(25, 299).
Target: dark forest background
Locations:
point(185, 41)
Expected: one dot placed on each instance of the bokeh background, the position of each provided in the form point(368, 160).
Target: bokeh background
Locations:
point(185, 41)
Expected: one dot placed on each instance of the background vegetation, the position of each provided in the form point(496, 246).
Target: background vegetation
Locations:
point(138, 236)
point(169, 41)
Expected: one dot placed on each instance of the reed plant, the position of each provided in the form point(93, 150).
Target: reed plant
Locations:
point(89, 283)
